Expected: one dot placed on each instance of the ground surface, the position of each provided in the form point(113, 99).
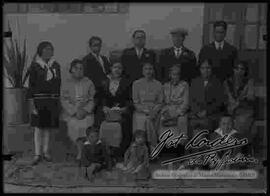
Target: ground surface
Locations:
point(61, 176)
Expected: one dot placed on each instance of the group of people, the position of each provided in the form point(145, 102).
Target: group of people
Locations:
point(127, 103)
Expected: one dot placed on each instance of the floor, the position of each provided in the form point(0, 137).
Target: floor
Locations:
point(60, 176)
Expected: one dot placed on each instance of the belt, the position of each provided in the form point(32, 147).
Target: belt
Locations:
point(44, 95)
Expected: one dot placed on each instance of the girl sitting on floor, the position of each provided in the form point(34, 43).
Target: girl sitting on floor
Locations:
point(136, 160)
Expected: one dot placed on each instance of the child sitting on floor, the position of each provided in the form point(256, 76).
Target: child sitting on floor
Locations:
point(94, 154)
point(136, 159)
point(225, 128)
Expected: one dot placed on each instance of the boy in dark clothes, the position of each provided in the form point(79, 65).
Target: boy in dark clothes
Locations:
point(94, 154)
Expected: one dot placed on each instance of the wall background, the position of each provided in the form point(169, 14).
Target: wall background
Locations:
point(70, 33)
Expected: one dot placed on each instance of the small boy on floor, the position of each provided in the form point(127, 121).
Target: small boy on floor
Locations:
point(94, 154)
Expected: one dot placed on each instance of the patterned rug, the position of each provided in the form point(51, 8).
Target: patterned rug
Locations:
point(66, 174)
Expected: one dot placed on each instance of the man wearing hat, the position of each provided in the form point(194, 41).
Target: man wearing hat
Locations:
point(178, 54)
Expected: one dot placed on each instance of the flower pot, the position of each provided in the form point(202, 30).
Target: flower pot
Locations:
point(16, 110)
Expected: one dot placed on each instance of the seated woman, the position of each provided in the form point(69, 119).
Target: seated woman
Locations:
point(77, 100)
point(174, 112)
point(240, 92)
point(147, 95)
point(206, 100)
point(116, 101)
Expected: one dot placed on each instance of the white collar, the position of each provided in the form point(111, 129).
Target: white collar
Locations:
point(217, 44)
point(95, 55)
point(220, 132)
point(180, 48)
point(139, 50)
point(42, 63)
point(88, 142)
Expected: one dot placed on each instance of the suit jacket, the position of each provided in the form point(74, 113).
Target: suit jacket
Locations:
point(133, 65)
point(223, 60)
point(187, 59)
point(121, 97)
point(210, 98)
point(93, 69)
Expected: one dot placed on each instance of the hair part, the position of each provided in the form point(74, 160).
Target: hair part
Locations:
point(43, 45)
point(90, 130)
point(209, 62)
point(74, 63)
point(220, 23)
point(138, 31)
point(93, 38)
point(244, 64)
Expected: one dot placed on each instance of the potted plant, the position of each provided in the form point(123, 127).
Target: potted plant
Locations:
point(15, 100)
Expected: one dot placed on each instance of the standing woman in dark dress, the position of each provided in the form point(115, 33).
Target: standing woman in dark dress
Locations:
point(44, 90)
point(116, 92)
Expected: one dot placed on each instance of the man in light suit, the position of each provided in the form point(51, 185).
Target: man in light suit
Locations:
point(133, 58)
point(222, 54)
point(96, 68)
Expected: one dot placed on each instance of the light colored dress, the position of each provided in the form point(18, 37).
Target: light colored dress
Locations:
point(147, 96)
point(176, 99)
point(74, 95)
point(137, 158)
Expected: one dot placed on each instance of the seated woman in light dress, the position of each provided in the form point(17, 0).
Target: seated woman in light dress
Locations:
point(77, 101)
point(176, 100)
point(147, 95)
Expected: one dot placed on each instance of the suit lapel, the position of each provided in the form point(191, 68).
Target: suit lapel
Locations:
point(171, 52)
point(134, 53)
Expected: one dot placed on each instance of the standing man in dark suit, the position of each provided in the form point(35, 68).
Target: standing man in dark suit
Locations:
point(96, 68)
point(178, 54)
point(222, 54)
point(133, 58)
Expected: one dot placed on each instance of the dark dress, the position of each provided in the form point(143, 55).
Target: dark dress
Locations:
point(223, 60)
point(93, 70)
point(210, 98)
point(45, 94)
point(133, 65)
point(122, 97)
point(187, 59)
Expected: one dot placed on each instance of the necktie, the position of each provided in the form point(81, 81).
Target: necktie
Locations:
point(219, 47)
point(139, 53)
point(101, 63)
point(178, 52)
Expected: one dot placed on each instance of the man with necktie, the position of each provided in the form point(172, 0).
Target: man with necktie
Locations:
point(96, 68)
point(133, 58)
point(177, 54)
point(222, 54)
